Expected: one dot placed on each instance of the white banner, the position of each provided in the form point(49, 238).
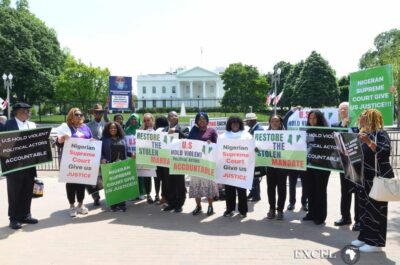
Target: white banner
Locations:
point(80, 161)
point(219, 124)
point(299, 117)
point(236, 161)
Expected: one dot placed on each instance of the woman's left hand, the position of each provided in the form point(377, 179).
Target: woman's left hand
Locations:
point(364, 138)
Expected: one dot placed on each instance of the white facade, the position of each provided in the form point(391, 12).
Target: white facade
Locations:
point(196, 87)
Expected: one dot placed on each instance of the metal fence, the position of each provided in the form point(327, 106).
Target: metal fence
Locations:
point(394, 157)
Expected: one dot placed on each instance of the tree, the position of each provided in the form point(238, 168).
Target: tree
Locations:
point(386, 51)
point(22, 5)
point(344, 83)
point(5, 3)
point(244, 87)
point(285, 70)
point(31, 52)
point(80, 85)
point(290, 84)
point(316, 86)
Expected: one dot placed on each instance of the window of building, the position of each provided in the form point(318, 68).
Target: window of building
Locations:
point(173, 90)
point(144, 103)
point(144, 90)
point(154, 90)
point(154, 103)
point(164, 103)
point(164, 90)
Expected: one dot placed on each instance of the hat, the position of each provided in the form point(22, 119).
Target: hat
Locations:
point(97, 107)
point(250, 116)
point(21, 105)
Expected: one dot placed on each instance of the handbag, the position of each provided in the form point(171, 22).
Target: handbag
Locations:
point(384, 189)
point(38, 188)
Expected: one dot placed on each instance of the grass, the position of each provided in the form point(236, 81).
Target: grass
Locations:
point(58, 119)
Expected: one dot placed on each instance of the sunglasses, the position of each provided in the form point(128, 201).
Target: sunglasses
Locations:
point(78, 115)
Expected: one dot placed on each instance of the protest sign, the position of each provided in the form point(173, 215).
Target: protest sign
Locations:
point(299, 117)
point(219, 124)
point(23, 149)
point(120, 92)
point(236, 161)
point(321, 148)
point(130, 143)
point(371, 89)
point(120, 181)
point(193, 157)
point(281, 149)
point(80, 161)
point(146, 170)
point(350, 151)
point(153, 148)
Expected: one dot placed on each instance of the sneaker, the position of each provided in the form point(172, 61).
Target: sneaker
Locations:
point(72, 212)
point(368, 248)
point(243, 215)
point(228, 214)
point(271, 214)
point(290, 207)
point(308, 217)
point(357, 243)
point(156, 199)
point(149, 200)
point(356, 227)
point(82, 210)
point(279, 216)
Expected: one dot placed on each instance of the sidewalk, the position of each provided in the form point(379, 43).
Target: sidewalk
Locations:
point(144, 234)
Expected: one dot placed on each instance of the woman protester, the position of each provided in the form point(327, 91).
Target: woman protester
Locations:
point(316, 180)
point(120, 119)
point(375, 144)
point(160, 181)
point(202, 187)
point(78, 129)
point(235, 130)
point(276, 178)
point(114, 149)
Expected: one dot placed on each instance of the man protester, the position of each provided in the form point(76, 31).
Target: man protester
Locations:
point(20, 183)
point(259, 172)
point(97, 127)
point(176, 189)
point(347, 187)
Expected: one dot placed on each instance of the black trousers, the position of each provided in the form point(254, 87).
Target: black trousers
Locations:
point(293, 176)
point(19, 190)
point(255, 191)
point(231, 199)
point(347, 190)
point(161, 181)
point(316, 183)
point(75, 190)
point(276, 180)
point(176, 190)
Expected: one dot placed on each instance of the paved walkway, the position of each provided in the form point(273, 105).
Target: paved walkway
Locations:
point(144, 234)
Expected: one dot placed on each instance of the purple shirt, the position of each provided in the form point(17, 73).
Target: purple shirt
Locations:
point(208, 134)
point(82, 132)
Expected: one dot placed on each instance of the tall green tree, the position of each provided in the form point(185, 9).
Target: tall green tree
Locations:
point(316, 86)
point(290, 84)
point(22, 5)
point(80, 85)
point(5, 3)
point(244, 87)
point(386, 51)
point(30, 51)
point(344, 83)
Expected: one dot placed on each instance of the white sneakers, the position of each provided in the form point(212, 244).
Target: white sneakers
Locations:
point(363, 247)
point(74, 211)
point(82, 210)
point(368, 249)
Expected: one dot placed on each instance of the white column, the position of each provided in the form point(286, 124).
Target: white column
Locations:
point(178, 90)
point(216, 89)
point(191, 89)
point(204, 89)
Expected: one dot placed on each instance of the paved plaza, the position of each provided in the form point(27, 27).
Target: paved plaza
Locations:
point(146, 235)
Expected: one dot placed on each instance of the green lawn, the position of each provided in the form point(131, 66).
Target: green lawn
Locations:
point(57, 119)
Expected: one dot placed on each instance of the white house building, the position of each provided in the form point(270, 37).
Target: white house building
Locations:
point(195, 87)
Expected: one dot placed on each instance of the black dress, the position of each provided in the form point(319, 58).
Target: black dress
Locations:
point(373, 214)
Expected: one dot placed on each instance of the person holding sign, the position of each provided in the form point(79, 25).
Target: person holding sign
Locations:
point(347, 187)
point(276, 178)
point(20, 183)
point(373, 214)
point(160, 182)
point(114, 149)
point(202, 187)
point(235, 130)
point(316, 180)
point(132, 125)
point(78, 129)
point(176, 189)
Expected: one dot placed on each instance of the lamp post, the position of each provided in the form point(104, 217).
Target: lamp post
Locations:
point(275, 80)
point(8, 85)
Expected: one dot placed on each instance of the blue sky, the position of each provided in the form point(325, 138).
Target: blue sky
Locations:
point(133, 37)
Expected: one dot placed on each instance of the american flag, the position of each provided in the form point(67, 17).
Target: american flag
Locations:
point(278, 98)
point(269, 98)
point(3, 104)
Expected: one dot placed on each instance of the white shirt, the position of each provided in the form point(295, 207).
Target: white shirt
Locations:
point(237, 135)
point(25, 125)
